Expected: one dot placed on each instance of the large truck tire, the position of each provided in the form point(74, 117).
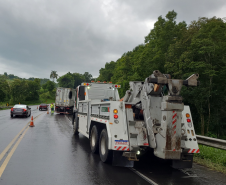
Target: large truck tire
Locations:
point(105, 153)
point(94, 139)
point(75, 123)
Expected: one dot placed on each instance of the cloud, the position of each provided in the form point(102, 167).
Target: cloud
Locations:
point(79, 36)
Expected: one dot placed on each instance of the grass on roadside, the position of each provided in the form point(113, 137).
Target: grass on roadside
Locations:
point(213, 158)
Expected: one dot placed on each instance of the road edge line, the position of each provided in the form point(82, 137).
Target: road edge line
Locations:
point(4, 164)
point(12, 142)
point(14, 139)
point(143, 176)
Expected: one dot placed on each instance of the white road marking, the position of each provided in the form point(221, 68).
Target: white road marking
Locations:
point(143, 176)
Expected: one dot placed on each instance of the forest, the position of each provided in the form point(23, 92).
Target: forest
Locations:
point(20, 90)
point(180, 49)
point(14, 89)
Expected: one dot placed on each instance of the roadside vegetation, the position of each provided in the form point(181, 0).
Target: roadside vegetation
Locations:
point(33, 91)
point(72, 80)
point(211, 157)
point(180, 49)
point(25, 91)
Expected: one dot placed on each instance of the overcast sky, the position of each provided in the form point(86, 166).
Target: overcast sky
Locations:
point(37, 36)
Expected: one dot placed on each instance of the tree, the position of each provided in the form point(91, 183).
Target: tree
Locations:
point(32, 89)
point(202, 50)
point(71, 80)
point(107, 72)
point(4, 89)
point(50, 85)
point(66, 81)
point(43, 80)
point(18, 90)
point(53, 75)
point(2, 95)
point(79, 78)
point(87, 77)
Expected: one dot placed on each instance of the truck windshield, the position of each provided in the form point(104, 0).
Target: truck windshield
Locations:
point(102, 92)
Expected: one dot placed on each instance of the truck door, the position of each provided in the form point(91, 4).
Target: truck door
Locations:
point(82, 109)
point(81, 93)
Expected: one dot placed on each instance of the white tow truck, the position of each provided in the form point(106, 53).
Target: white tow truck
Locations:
point(146, 118)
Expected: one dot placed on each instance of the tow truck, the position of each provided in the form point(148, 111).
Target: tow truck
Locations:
point(151, 115)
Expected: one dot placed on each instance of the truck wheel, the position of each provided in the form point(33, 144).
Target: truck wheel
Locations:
point(105, 153)
point(94, 139)
point(75, 125)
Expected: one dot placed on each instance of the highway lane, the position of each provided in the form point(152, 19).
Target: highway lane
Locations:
point(49, 154)
point(10, 127)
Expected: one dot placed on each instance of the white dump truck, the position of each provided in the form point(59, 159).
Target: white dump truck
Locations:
point(151, 115)
point(65, 100)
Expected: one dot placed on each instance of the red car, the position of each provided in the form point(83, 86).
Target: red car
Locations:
point(43, 106)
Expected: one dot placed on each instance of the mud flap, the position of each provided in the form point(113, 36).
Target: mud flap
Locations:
point(119, 160)
point(186, 162)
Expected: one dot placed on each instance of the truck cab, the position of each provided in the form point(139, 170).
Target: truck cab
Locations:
point(100, 116)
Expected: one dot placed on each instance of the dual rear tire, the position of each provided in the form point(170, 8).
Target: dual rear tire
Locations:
point(99, 143)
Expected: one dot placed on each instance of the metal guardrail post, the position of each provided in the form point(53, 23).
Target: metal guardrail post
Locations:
point(213, 142)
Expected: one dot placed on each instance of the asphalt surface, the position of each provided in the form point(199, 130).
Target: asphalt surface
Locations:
point(49, 154)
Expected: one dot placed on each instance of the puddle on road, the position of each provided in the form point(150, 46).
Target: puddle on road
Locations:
point(188, 172)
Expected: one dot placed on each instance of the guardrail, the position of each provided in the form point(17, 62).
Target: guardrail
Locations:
point(4, 107)
point(213, 142)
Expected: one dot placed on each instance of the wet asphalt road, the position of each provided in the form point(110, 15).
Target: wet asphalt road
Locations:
point(50, 154)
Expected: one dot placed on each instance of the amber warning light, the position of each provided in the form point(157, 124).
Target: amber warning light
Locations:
point(187, 115)
point(115, 111)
